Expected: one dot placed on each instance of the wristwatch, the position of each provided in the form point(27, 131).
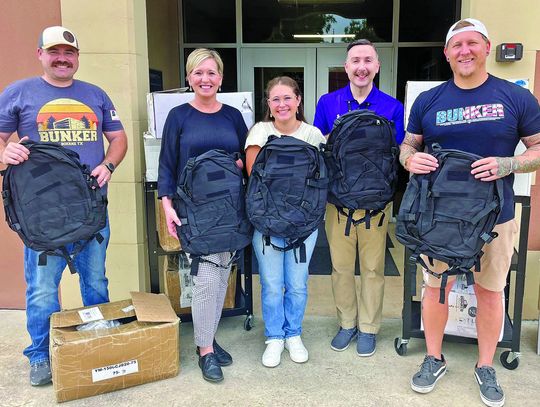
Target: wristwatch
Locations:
point(110, 166)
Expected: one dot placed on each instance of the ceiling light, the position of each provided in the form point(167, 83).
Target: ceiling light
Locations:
point(324, 35)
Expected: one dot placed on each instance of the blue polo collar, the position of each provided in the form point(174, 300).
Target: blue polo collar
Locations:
point(370, 100)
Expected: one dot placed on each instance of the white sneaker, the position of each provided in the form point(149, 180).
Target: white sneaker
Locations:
point(272, 355)
point(297, 350)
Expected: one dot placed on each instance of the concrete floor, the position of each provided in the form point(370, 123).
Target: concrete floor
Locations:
point(327, 379)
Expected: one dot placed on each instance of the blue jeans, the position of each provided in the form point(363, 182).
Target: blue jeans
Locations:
point(42, 289)
point(283, 286)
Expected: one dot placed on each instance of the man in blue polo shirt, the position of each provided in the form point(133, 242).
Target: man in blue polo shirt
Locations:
point(359, 311)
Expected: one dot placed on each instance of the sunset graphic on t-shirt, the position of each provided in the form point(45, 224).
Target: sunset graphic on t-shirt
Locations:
point(67, 121)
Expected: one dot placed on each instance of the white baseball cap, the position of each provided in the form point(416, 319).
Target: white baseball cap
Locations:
point(57, 35)
point(477, 26)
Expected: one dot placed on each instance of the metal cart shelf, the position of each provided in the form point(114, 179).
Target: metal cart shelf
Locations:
point(411, 314)
point(243, 299)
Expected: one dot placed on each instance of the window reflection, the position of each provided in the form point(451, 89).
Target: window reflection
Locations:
point(421, 64)
point(316, 21)
point(209, 21)
point(425, 20)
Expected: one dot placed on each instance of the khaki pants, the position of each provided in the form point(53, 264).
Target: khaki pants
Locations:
point(357, 306)
point(494, 264)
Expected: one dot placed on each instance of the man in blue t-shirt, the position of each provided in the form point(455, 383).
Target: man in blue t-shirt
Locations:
point(488, 116)
point(57, 108)
point(359, 311)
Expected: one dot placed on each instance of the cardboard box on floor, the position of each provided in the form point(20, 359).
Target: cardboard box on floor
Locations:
point(173, 289)
point(143, 349)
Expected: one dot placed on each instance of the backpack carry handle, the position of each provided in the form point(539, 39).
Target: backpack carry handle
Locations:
point(436, 147)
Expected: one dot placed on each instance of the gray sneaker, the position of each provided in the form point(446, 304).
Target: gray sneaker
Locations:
point(431, 370)
point(343, 338)
point(490, 391)
point(40, 373)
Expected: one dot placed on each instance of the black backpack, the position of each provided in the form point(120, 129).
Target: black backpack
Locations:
point(210, 203)
point(362, 160)
point(449, 215)
point(287, 191)
point(51, 201)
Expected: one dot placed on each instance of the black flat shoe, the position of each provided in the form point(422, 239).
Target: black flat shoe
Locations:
point(223, 357)
point(210, 368)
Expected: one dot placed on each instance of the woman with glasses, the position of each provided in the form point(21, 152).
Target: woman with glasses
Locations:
point(283, 279)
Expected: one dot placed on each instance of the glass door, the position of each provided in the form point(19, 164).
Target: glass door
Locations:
point(259, 65)
point(331, 73)
point(317, 71)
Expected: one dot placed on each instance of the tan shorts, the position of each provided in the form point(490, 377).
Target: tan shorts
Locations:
point(494, 264)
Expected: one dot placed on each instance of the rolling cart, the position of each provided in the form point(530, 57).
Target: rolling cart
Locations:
point(411, 315)
point(243, 298)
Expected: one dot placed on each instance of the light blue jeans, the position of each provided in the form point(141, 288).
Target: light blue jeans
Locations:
point(283, 286)
point(42, 289)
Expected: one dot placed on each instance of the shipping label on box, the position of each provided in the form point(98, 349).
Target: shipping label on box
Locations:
point(143, 347)
point(462, 307)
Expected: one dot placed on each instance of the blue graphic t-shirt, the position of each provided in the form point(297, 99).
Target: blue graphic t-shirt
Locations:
point(75, 116)
point(488, 120)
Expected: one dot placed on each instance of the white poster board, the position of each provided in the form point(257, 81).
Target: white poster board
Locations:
point(522, 182)
point(159, 104)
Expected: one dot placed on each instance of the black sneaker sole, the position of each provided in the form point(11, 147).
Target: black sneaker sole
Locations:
point(212, 380)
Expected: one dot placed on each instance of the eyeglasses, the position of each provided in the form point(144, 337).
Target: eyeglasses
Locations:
point(277, 101)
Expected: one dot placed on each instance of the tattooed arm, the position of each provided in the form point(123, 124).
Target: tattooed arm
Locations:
point(412, 158)
point(491, 168)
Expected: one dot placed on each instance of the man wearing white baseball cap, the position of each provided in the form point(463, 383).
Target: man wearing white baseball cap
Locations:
point(482, 114)
point(37, 108)
point(57, 35)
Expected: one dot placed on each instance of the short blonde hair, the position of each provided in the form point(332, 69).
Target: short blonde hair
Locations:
point(197, 56)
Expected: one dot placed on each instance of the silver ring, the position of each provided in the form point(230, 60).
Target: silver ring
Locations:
point(490, 173)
